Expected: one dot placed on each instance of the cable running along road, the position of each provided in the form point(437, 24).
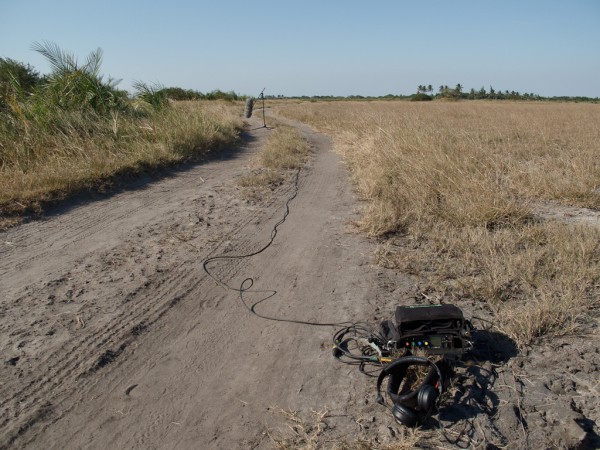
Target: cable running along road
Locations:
point(356, 330)
point(246, 285)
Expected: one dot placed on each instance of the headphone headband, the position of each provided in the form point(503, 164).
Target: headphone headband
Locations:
point(402, 364)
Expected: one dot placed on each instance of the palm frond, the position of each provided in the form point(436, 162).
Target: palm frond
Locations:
point(77, 87)
point(93, 63)
point(60, 60)
point(113, 82)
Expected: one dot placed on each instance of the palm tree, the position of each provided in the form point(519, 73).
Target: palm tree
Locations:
point(74, 86)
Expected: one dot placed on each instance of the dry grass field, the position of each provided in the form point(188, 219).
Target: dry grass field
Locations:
point(108, 309)
point(452, 191)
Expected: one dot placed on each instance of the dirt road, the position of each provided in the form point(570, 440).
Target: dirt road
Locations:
point(113, 336)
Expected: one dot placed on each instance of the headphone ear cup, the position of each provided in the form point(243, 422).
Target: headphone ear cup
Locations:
point(405, 415)
point(427, 397)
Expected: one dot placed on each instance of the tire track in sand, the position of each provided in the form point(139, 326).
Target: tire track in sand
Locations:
point(39, 246)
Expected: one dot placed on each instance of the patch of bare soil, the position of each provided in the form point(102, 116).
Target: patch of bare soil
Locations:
point(113, 336)
point(549, 210)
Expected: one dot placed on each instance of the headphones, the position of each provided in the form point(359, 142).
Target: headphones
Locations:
point(414, 407)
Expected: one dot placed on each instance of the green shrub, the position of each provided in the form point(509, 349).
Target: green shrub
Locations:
point(220, 95)
point(177, 93)
point(152, 96)
point(420, 97)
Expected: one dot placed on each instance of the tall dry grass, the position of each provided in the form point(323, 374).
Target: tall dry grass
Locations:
point(76, 150)
point(460, 182)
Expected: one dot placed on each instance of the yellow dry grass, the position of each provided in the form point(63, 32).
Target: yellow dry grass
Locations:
point(458, 182)
point(81, 151)
point(284, 149)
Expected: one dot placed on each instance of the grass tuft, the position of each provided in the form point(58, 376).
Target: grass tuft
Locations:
point(284, 149)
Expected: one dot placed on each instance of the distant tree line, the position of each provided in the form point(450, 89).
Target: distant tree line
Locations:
point(315, 98)
point(457, 93)
point(177, 93)
point(426, 93)
point(444, 91)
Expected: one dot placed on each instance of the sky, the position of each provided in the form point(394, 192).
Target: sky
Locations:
point(321, 47)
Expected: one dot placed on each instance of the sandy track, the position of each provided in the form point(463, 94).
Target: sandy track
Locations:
point(113, 336)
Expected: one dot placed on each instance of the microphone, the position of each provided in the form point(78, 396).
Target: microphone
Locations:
point(249, 106)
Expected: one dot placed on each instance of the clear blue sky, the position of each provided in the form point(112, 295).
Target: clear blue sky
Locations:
point(324, 47)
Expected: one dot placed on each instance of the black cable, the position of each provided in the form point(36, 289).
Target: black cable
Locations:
point(357, 329)
point(247, 284)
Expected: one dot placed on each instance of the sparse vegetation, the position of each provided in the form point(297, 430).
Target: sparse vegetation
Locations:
point(305, 432)
point(453, 187)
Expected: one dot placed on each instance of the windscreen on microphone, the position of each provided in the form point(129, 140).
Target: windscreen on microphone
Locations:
point(249, 106)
